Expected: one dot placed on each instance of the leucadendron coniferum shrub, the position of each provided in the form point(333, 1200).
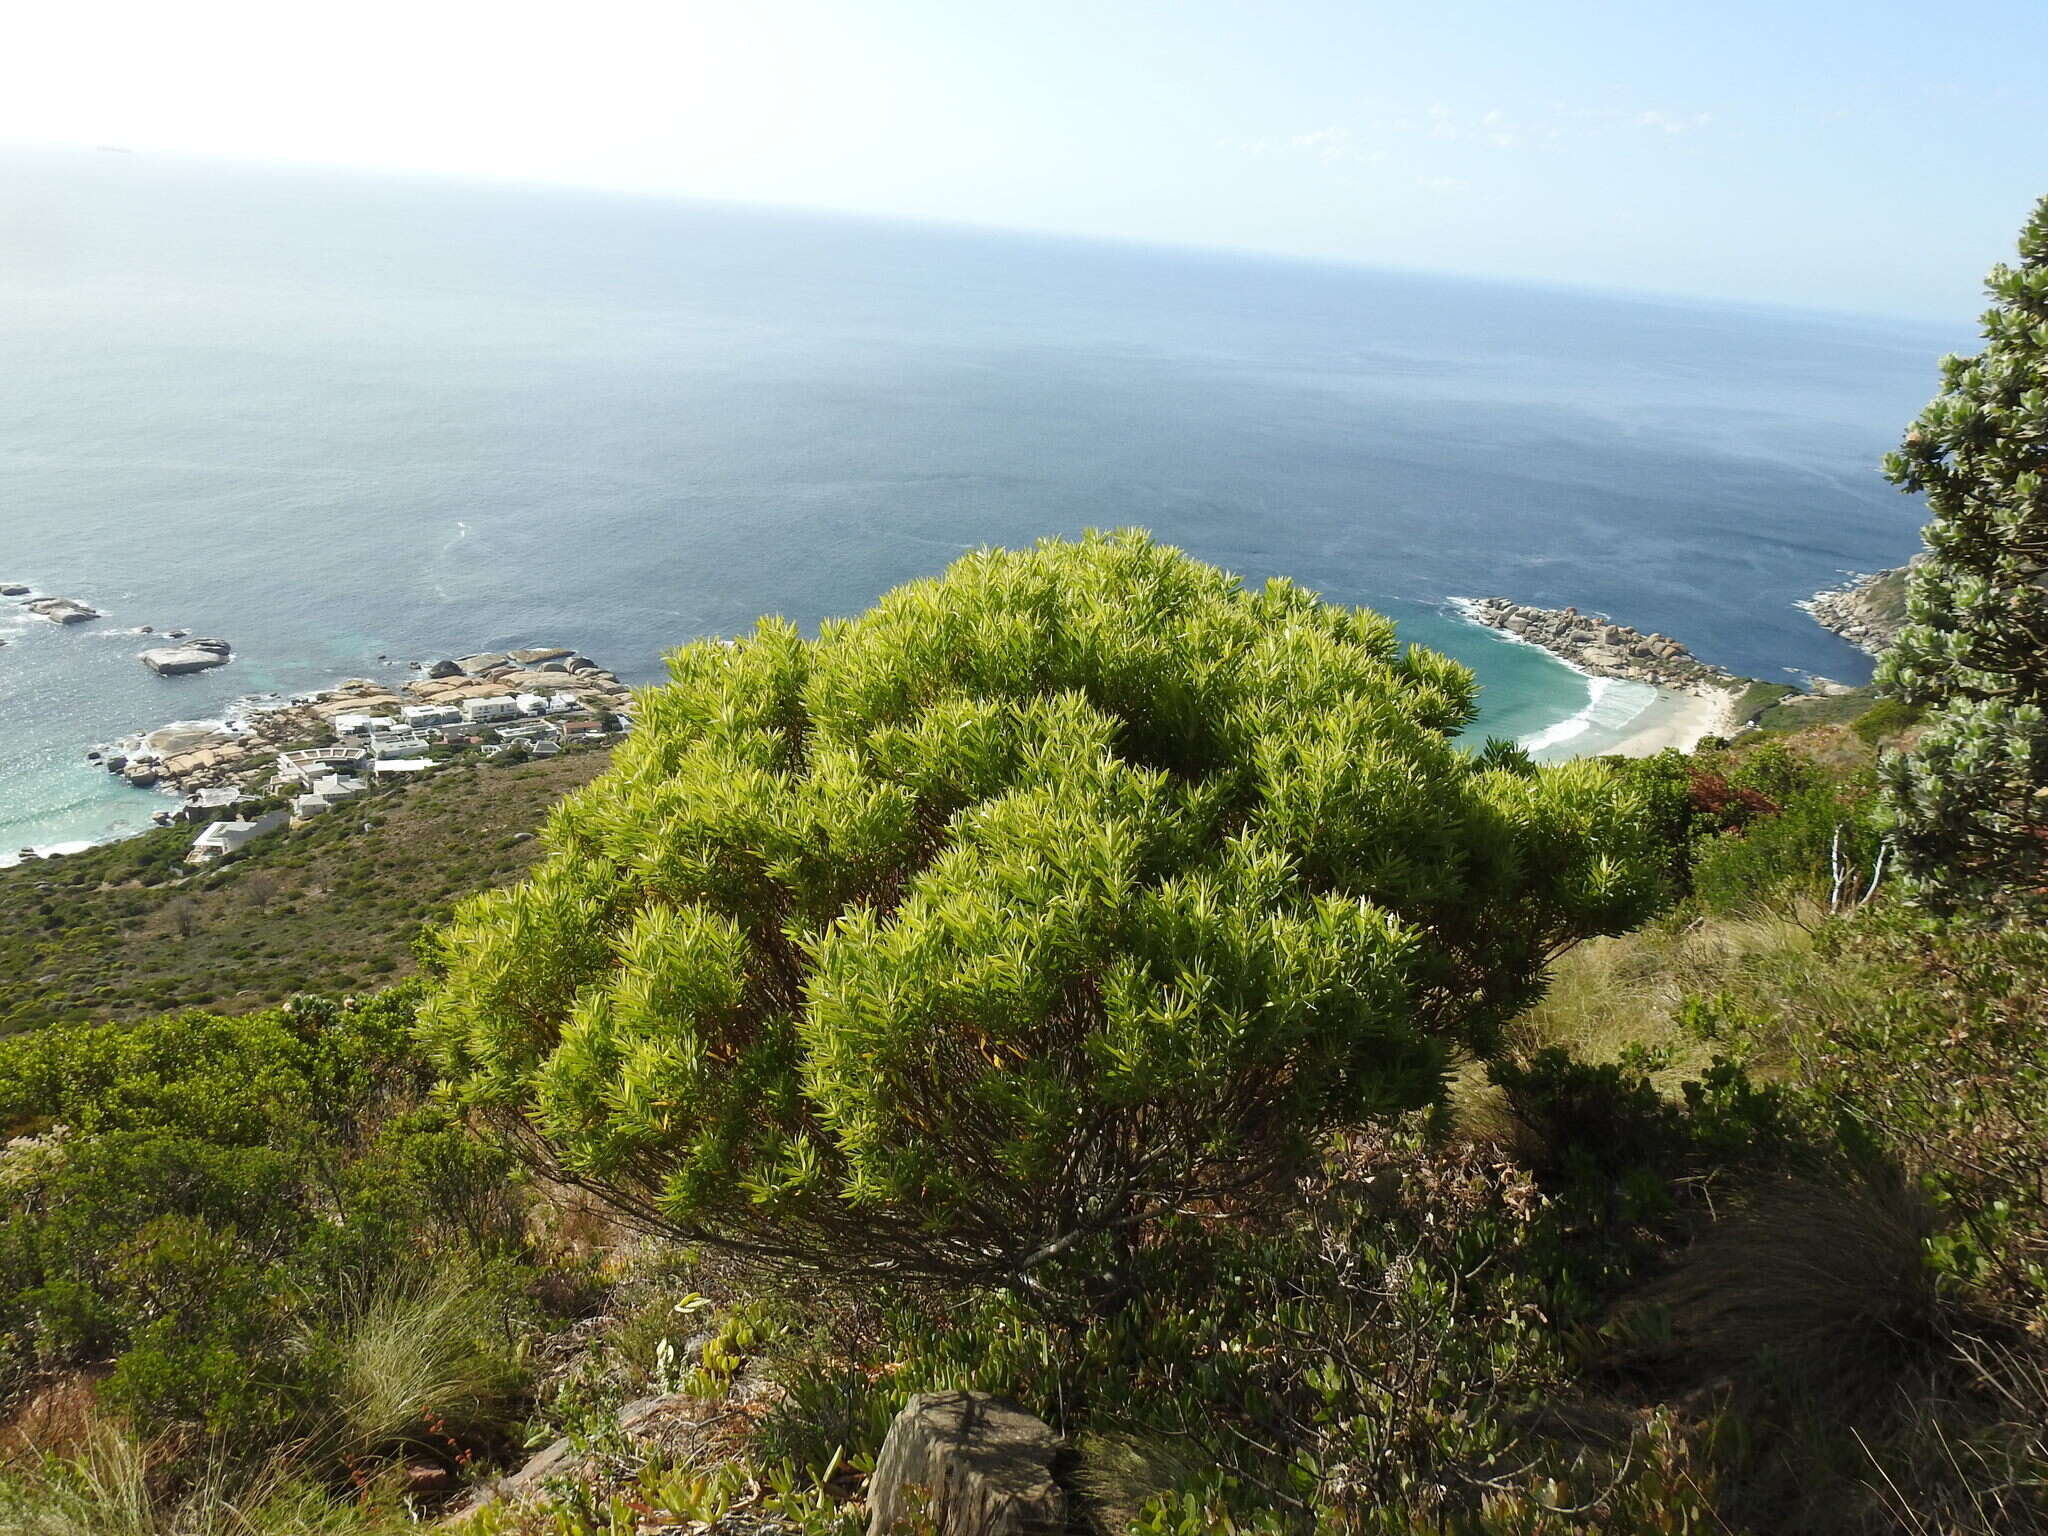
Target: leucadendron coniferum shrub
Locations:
point(1076, 886)
point(1970, 803)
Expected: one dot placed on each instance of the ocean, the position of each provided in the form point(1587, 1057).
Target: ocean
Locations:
point(348, 422)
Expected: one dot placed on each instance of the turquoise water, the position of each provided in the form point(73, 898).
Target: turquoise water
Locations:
point(334, 418)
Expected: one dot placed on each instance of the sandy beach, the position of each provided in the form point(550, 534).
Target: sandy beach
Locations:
point(1676, 720)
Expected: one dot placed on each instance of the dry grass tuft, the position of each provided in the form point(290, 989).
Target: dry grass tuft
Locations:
point(416, 1357)
point(1611, 994)
point(1821, 1287)
point(108, 1485)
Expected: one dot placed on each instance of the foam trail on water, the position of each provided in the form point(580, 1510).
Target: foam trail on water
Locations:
point(1611, 703)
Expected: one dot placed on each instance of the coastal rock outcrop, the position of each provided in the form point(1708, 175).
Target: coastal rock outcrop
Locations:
point(1598, 646)
point(14, 589)
point(192, 656)
point(63, 610)
point(1869, 611)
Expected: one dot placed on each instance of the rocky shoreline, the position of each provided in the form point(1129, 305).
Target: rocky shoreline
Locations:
point(1601, 648)
point(1867, 611)
point(213, 754)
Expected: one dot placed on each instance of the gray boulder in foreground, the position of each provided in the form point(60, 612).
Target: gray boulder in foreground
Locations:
point(14, 589)
point(966, 1464)
point(192, 656)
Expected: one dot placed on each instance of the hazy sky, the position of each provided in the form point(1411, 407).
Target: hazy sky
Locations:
point(1864, 154)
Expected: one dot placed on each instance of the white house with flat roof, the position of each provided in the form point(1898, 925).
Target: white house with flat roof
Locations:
point(305, 766)
point(485, 711)
point(202, 802)
point(422, 716)
point(531, 730)
point(221, 838)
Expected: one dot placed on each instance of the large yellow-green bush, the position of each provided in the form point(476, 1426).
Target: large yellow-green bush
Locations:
point(1050, 895)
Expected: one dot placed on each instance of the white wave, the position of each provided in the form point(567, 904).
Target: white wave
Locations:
point(1611, 704)
point(46, 850)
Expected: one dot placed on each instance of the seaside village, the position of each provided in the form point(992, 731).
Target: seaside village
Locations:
point(282, 765)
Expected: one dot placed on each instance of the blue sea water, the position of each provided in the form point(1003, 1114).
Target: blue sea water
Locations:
point(336, 418)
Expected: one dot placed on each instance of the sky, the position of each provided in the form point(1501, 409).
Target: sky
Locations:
point(1849, 154)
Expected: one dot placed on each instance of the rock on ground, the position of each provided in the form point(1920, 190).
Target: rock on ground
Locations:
point(562, 1458)
point(970, 1465)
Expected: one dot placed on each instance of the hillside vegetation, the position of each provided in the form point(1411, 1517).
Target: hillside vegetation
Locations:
point(128, 929)
point(1087, 980)
point(1739, 1228)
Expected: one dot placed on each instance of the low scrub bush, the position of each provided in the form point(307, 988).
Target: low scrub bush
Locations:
point(262, 1232)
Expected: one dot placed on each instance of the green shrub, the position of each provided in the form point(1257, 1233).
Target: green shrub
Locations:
point(1970, 803)
point(1886, 718)
point(197, 1202)
point(1813, 838)
point(1043, 899)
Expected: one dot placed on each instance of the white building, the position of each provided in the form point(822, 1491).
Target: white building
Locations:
point(563, 703)
point(402, 767)
point(399, 744)
point(202, 802)
point(421, 716)
point(323, 794)
point(484, 711)
point(351, 725)
point(531, 731)
point(222, 838)
point(531, 703)
point(306, 766)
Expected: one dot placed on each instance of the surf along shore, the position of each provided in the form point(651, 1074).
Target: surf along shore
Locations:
point(1694, 698)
